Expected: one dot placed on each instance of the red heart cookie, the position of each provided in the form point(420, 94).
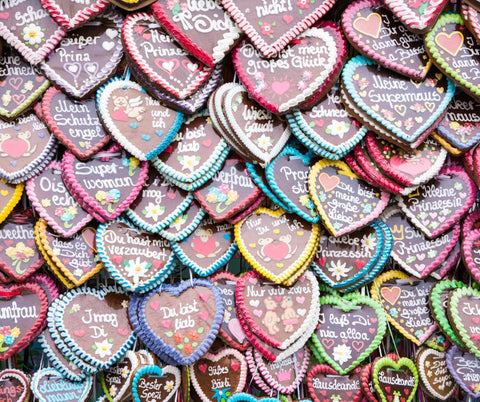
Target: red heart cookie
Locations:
point(14, 385)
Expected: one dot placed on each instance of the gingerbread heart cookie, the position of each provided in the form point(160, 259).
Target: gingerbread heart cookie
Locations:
point(74, 258)
point(372, 28)
point(395, 379)
point(10, 195)
point(28, 27)
point(14, 385)
point(208, 248)
point(140, 123)
point(94, 324)
point(463, 308)
point(327, 127)
point(464, 368)
point(230, 330)
point(181, 321)
point(23, 307)
point(380, 99)
point(453, 50)
point(87, 56)
point(50, 198)
point(75, 123)
point(395, 291)
point(354, 203)
point(229, 191)
point(433, 374)
point(345, 350)
point(48, 383)
point(154, 382)
point(20, 84)
point(105, 185)
point(278, 315)
point(159, 203)
point(26, 147)
point(290, 79)
point(407, 167)
point(287, 175)
point(415, 253)
point(324, 383)
point(277, 244)
point(137, 260)
point(436, 206)
point(461, 125)
point(222, 374)
point(19, 256)
point(160, 59)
